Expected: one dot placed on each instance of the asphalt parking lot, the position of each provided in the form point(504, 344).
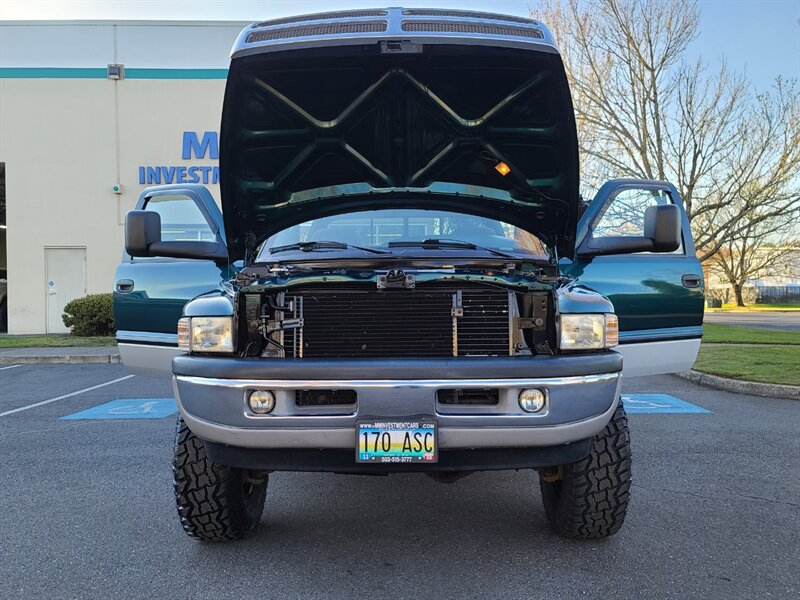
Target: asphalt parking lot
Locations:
point(87, 511)
point(787, 321)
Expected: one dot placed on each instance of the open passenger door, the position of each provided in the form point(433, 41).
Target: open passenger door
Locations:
point(658, 296)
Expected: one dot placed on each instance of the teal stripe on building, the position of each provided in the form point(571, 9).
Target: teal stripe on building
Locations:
point(100, 73)
point(176, 73)
point(51, 73)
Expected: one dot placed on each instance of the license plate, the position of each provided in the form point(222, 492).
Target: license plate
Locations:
point(395, 441)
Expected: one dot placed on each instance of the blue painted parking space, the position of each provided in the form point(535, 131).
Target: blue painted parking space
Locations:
point(129, 408)
point(658, 404)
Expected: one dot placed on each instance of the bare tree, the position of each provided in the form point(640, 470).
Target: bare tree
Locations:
point(644, 112)
point(760, 250)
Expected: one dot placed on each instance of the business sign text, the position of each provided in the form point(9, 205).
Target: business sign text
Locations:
point(195, 145)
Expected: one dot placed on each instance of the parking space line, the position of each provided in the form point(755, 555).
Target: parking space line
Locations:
point(43, 402)
point(11, 367)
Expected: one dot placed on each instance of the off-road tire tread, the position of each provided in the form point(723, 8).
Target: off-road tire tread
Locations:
point(211, 504)
point(591, 499)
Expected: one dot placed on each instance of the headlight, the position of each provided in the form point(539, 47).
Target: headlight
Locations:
point(205, 334)
point(589, 331)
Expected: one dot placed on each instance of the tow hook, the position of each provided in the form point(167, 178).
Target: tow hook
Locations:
point(551, 474)
point(256, 477)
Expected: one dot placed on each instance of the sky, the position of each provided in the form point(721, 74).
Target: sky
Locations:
point(758, 37)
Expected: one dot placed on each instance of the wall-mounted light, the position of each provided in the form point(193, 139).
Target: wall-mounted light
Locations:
point(115, 72)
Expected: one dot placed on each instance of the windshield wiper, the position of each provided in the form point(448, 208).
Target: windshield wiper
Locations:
point(438, 244)
point(323, 245)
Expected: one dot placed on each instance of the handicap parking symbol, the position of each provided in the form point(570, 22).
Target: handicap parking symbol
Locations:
point(658, 404)
point(128, 408)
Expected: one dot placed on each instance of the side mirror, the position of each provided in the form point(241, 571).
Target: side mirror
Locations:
point(143, 238)
point(142, 228)
point(662, 233)
point(662, 224)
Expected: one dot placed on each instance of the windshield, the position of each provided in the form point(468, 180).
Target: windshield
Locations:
point(389, 230)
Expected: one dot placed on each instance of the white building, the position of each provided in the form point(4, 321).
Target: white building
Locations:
point(78, 144)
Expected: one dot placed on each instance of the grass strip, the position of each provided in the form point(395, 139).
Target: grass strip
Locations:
point(769, 364)
point(718, 333)
point(54, 341)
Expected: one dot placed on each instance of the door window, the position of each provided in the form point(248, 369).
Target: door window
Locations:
point(181, 219)
point(623, 215)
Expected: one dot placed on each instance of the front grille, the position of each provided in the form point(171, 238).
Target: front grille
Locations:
point(472, 28)
point(465, 14)
point(322, 29)
point(358, 323)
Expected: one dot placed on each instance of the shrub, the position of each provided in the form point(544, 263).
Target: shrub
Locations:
point(90, 315)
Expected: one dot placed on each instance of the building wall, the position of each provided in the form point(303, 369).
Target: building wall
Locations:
point(68, 135)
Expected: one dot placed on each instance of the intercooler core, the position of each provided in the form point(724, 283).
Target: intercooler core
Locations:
point(339, 322)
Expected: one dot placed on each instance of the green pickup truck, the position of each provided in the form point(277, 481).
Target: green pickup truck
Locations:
point(402, 277)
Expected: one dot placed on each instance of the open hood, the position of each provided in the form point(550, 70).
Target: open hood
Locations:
point(315, 131)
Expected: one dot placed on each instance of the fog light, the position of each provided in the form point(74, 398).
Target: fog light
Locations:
point(261, 401)
point(532, 400)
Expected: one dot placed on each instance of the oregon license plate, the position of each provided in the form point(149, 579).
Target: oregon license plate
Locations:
point(396, 441)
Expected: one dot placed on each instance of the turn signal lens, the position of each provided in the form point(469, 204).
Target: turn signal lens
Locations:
point(261, 401)
point(532, 400)
point(612, 330)
point(184, 335)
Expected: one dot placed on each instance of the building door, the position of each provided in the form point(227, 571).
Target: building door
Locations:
point(66, 280)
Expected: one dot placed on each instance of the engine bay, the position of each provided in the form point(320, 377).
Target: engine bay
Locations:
point(395, 314)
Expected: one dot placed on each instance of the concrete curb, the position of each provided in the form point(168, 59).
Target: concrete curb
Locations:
point(61, 359)
point(737, 386)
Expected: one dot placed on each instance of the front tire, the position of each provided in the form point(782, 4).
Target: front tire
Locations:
point(590, 499)
point(216, 503)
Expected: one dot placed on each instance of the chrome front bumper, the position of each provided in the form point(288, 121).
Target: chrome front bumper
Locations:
point(215, 409)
